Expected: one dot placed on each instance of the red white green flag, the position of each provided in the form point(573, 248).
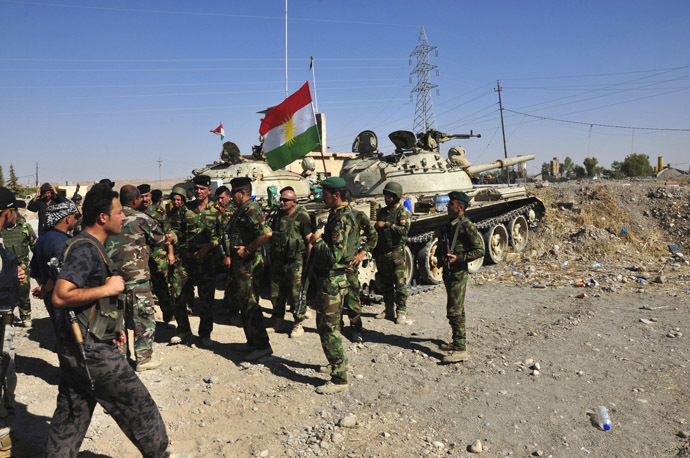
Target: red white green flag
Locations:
point(289, 129)
point(219, 131)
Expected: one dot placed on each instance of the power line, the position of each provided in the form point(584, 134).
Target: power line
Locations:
point(238, 59)
point(211, 69)
point(598, 125)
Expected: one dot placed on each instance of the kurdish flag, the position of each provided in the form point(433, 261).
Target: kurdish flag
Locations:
point(289, 129)
point(219, 131)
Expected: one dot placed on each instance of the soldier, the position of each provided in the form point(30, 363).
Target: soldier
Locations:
point(227, 208)
point(246, 233)
point(353, 301)
point(291, 230)
point(178, 220)
point(129, 251)
point(202, 271)
point(334, 252)
point(463, 244)
point(393, 224)
point(45, 196)
point(145, 194)
point(86, 287)
point(160, 256)
point(20, 239)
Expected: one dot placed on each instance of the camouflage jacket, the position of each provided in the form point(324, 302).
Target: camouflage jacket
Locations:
point(157, 212)
point(225, 217)
point(468, 244)
point(368, 235)
point(159, 253)
point(339, 243)
point(205, 226)
point(130, 249)
point(245, 225)
point(20, 240)
point(394, 234)
point(289, 232)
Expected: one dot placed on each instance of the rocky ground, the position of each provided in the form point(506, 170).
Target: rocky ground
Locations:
point(590, 314)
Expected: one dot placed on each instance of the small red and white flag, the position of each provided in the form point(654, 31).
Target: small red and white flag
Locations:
point(219, 131)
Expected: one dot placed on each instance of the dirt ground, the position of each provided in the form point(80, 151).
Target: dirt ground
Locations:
point(544, 354)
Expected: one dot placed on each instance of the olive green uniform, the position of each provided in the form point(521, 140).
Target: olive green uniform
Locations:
point(390, 256)
point(21, 240)
point(353, 301)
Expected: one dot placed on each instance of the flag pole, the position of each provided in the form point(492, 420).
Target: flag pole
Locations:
point(286, 50)
point(313, 78)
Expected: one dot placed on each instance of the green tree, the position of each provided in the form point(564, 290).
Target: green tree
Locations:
point(2, 177)
point(545, 168)
point(590, 164)
point(579, 171)
point(568, 166)
point(637, 165)
point(12, 184)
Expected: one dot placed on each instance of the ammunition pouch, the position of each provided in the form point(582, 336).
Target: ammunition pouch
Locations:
point(108, 318)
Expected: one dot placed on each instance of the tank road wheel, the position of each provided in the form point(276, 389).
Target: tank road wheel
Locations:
point(496, 243)
point(519, 233)
point(367, 275)
point(409, 265)
point(474, 266)
point(430, 269)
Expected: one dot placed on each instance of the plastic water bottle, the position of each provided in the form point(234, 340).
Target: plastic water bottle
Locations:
point(603, 418)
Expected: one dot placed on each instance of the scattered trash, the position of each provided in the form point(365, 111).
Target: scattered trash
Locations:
point(580, 283)
point(594, 266)
point(517, 274)
point(539, 286)
point(642, 280)
point(591, 282)
point(585, 450)
point(581, 296)
point(624, 231)
point(603, 418)
point(675, 249)
point(566, 263)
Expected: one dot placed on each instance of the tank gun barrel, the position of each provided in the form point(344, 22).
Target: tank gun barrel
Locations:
point(499, 163)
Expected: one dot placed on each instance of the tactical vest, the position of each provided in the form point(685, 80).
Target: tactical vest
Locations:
point(235, 233)
point(104, 319)
point(388, 240)
point(9, 283)
point(287, 242)
point(16, 242)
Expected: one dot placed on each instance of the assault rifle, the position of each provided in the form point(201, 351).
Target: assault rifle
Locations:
point(444, 243)
point(307, 273)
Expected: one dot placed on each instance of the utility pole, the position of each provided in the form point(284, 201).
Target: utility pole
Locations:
point(503, 128)
point(36, 174)
point(160, 177)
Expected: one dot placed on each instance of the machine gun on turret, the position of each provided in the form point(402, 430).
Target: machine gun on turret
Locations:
point(431, 139)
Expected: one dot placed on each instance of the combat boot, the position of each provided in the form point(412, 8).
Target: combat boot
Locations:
point(456, 356)
point(402, 319)
point(297, 331)
point(446, 346)
point(278, 323)
point(332, 388)
point(388, 313)
point(17, 448)
point(357, 337)
point(148, 365)
point(236, 320)
point(257, 354)
point(178, 339)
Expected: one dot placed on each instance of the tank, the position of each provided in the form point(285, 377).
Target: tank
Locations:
point(505, 214)
point(232, 164)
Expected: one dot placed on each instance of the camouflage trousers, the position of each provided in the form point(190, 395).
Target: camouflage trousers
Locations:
point(246, 273)
point(330, 293)
point(352, 303)
point(286, 282)
point(6, 414)
point(159, 287)
point(139, 308)
point(456, 285)
point(24, 299)
point(202, 274)
point(178, 278)
point(391, 270)
point(118, 390)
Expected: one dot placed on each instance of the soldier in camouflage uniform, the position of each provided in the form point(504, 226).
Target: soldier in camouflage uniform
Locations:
point(291, 229)
point(353, 301)
point(204, 240)
point(393, 224)
point(246, 233)
point(178, 219)
point(129, 251)
point(226, 206)
point(334, 252)
point(20, 239)
point(160, 256)
point(464, 245)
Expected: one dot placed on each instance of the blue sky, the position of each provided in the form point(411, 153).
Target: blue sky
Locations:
point(99, 88)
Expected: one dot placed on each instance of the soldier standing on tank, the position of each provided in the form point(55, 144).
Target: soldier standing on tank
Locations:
point(333, 254)
point(291, 231)
point(204, 240)
point(246, 233)
point(464, 245)
point(226, 207)
point(392, 224)
point(129, 251)
point(353, 301)
point(19, 238)
point(160, 256)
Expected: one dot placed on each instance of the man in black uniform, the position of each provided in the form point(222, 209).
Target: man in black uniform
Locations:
point(87, 287)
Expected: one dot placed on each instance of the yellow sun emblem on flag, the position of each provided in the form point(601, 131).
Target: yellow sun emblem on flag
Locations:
point(288, 128)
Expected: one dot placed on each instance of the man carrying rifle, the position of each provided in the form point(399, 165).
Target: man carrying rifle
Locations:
point(459, 243)
point(99, 373)
point(290, 230)
point(10, 276)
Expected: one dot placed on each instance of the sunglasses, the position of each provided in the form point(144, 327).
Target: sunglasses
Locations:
point(285, 199)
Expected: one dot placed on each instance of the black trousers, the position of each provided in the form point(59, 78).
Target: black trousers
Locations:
point(117, 389)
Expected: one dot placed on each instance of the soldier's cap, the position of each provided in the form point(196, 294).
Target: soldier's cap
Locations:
point(333, 183)
point(240, 183)
point(55, 212)
point(144, 188)
point(107, 181)
point(7, 200)
point(156, 195)
point(76, 197)
point(202, 180)
point(460, 197)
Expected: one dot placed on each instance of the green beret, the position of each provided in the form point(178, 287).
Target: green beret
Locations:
point(459, 196)
point(333, 183)
point(202, 180)
point(241, 183)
